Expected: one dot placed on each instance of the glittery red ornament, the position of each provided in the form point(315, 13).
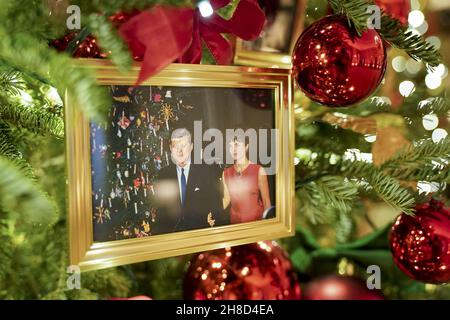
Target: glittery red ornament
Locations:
point(398, 9)
point(420, 245)
point(88, 48)
point(334, 287)
point(334, 66)
point(249, 272)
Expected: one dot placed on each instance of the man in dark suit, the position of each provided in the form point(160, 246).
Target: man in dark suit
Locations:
point(187, 195)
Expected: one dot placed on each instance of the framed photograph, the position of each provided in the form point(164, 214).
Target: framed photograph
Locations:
point(196, 158)
point(273, 48)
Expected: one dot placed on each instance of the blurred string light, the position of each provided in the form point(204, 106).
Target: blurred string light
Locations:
point(357, 155)
point(417, 22)
point(303, 154)
point(205, 8)
point(413, 66)
point(399, 64)
point(406, 88)
point(380, 100)
point(439, 134)
point(53, 96)
point(25, 98)
point(425, 187)
point(430, 122)
point(386, 100)
point(433, 79)
point(434, 41)
point(424, 103)
point(371, 138)
point(432, 82)
point(423, 28)
point(416, 18)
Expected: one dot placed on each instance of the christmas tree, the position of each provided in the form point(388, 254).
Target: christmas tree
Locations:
point(362, 158)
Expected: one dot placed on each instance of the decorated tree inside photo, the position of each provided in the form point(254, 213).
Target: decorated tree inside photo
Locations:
point(372, 152)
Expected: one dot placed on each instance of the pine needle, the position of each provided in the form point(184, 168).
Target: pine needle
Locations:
point(110, 41)
point(326, 196)
point(21, 196)
point(10, 82)
point(424, 160)
point(10, 152)
point(32, 118)
point(385, 186)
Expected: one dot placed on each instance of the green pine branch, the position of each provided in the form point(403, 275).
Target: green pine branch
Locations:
point(10, 82)
point(19, 15)
point(6, 253)
point(355, 11)
point(110, 41)
point(366, 108)
point(21, 196)
point(439, 106)
point(10, 152)
point(398, 35)
point(326, 196)
point(30, 56)
point(32, 118)
point(424, 160)
point(390, 190)
point(392, 30)
point(344, 227)
point(386, 187)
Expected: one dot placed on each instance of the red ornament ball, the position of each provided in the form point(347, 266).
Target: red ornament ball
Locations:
point(334, 66)
point(420, 245)
point(249, 272)
point(85, 49)
point(398, 9)
point(334, 287)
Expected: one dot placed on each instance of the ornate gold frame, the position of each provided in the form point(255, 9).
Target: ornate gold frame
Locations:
point(269, 59)
point(90, 255)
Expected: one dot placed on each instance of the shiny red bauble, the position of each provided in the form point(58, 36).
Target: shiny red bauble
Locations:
point(334, 287)
point(249, 272)
point(420, 244)
point(335, 67)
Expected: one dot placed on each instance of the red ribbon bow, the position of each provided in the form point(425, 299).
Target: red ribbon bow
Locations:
point(166, 34)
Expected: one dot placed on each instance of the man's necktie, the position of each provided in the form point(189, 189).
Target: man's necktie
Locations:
point(183, 187)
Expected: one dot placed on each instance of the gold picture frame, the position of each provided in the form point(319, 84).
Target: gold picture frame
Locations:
point(265, 59)
point(90, 255)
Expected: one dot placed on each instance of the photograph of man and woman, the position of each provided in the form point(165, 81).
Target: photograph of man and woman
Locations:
point(173, 159)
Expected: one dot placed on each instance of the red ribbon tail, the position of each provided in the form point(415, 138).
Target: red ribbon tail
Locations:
point(219, 47)
point(161, 35)
point(247, 21)
point(194, 53)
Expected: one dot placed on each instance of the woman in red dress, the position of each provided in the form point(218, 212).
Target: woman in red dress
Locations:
point(245, 186)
